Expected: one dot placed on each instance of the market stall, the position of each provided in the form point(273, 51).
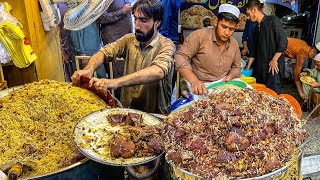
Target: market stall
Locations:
point(219, 135)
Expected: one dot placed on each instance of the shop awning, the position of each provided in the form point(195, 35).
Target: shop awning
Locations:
point(291, 4)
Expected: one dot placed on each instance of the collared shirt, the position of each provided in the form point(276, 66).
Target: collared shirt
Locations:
point(169, 26)
point(296, 47)
point(114, 23)
point(153, 97)
point(200, 53)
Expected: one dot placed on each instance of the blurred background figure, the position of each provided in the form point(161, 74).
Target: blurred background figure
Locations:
point(115, 22)
point(66, 46)
point(299, 53)
point(169, 29)
point(85, 43)
point(247, 37)
point(206, 21)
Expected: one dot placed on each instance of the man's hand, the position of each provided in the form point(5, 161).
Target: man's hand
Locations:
point(198, 87)
point(104, 84)
point(126, 9)
point(227, 78)
point(75, 78)
point(184, 94)
point(303, 74)
point(245, 51)
point(273, 66)
point(303, 96)
point(314, 84)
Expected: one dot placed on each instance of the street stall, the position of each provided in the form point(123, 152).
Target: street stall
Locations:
point(232, 133)
point(55, 130)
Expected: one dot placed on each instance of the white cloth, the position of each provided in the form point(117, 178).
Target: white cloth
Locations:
point(317, 57)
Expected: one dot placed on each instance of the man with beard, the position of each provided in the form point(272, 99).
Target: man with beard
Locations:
point(146, 84)
point(268, 44)
point(210, 54)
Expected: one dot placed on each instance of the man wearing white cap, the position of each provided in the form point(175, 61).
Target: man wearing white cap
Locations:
point(314, 73)
point(211, 54)
point(269, 41)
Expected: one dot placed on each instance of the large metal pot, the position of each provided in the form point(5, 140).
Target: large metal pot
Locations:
point(82, 170)
point(177, 173)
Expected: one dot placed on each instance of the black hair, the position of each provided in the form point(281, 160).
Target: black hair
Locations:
point(253, 3)
point(228, 17)
point(151, 9)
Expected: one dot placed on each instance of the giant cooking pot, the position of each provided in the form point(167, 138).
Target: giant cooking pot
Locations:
point(178, 173)
point(81, 170)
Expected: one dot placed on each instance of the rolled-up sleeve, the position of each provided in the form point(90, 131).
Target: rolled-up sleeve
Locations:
point(280, 35)
point(164, 59)
point(188, 49)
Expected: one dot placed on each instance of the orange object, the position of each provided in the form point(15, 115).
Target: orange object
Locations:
point(265, 89)
point(294, 103)
point(257, 85)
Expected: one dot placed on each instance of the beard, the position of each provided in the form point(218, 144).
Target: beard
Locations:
point(143, 37)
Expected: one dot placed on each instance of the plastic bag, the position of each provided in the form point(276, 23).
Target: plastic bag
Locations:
point(14, 39)
point(4, 55)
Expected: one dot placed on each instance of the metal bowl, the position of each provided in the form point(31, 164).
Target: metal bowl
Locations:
point(100, 118)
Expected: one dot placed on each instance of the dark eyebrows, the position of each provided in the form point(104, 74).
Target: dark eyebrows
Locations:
point(142, 18)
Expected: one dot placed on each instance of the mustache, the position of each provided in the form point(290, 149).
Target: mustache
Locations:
point(140, 32)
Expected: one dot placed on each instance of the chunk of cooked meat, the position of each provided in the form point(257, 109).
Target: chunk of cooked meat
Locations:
point(122, 148)
point(133, 119)
point(116, 119)
point(235, 142)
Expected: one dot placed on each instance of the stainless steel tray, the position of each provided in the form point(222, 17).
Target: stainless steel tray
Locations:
point(98, 120)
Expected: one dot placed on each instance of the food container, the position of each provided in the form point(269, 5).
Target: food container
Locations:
point(246, 72)
point(247, 79)
point(177, 173)
point(83, 169)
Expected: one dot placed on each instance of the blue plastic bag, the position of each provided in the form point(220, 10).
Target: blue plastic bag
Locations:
point(181, 101)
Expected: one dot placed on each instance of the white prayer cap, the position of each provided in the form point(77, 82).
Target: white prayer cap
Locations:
point(317, 57)
point(318, 46)
point(206, 17)
point(229, 9)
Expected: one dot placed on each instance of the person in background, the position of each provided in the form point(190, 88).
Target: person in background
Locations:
point(206, 21)
point(146, 84)
point(169, 27)
point(85, 43)
point(315, 73)
point(300, 51)
point(210, 54)
point(247, 37)
point(66, 46)
point(116, 22)
point(269, 41)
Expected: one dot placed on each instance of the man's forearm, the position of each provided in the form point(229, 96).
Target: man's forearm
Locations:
point(95, 61)
point(250, 62)
point(188, 75)
point(277, 55)
point(144, 76)
point(234, 73)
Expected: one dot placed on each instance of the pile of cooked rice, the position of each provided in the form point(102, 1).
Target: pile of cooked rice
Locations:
point(37, 122)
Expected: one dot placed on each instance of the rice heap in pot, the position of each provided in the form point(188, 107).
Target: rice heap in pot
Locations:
point(37, 122)
point(235, 133)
